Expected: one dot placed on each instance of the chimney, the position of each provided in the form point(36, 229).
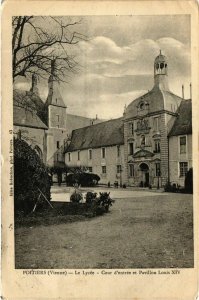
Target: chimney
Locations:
point(183, 91)
point(34, 87)
point(190, 91)
point(96, 117)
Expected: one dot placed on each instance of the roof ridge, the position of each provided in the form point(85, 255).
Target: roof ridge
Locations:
point(98, 124)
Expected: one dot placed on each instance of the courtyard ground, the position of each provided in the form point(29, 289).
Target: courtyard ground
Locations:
point(145, 229)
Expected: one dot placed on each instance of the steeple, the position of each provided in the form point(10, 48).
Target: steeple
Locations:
point(34, 87)
point(161, 72)
point(54, 96)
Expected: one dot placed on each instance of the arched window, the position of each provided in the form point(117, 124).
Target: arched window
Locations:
point(39, 152)
point(157, 147)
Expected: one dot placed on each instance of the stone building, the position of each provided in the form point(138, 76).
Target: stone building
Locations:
point(27, 124)
point(180, 144)
point(99, 149)
point(149, 145)
point(46, 126)
point(147, 142)
point(147, 121)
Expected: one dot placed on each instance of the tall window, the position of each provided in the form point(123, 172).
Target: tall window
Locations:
point(157, 169)
point(143, 140)
point(103, 169)
point(103, 152)
point(90, 153)
point(78, 155)
point(57, 118)
point(118, 151)
point(131, 170)
point(156, 124)
point(131, 150)
point(157, 147)
point(57, 144)
point(131, 128)
point(119, 169)
point(182, 144)
point(183, 168)
point(69, 156)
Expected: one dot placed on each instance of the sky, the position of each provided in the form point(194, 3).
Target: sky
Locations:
point(116, 62)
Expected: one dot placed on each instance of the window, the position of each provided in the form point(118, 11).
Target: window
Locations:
point(57, 118)
point(78, 155)
point(157, 147)
point(131, 128)
point(119, 169)
point(90, 169)
point(183, 168)
point(57, 144)
point(143, 141)
point(131, 170)
point(90, 154)
point(156, 124)
point(103, 169)
point(141, 105)
point(118, 151)
point(182, 144)
point(103, 152)
point(69, 156)
point(157, 169)
point(131, 150)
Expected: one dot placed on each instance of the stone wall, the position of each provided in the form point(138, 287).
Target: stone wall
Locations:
point(34, 137)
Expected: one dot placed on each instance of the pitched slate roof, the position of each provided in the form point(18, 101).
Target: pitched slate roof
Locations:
point(54, 95)
point(26, 118)
point(107, 133)
point(183, 123)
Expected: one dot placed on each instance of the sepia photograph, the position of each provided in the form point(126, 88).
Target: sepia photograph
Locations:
point(102, 142)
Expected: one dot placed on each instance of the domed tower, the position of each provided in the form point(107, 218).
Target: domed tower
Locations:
point(161, 72)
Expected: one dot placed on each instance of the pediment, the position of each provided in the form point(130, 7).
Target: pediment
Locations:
point(143, 153)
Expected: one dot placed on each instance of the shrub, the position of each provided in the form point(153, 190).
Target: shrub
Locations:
point(76, 197)
point(30, 175)
point(99, 205)
point(83, 179)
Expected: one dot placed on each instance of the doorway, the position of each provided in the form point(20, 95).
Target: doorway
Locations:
point(144, 168)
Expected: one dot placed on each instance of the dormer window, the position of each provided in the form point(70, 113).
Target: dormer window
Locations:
point(141, 106)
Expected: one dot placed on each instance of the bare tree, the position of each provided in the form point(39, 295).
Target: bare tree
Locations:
point(36, 41)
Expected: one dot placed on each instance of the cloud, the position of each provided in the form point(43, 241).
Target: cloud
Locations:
point(103, 56)
point(113, 75)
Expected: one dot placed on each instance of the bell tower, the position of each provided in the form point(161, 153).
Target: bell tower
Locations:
point(56, 117)
point(161, 72)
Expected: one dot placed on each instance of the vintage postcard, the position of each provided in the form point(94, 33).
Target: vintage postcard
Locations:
point(100, 149)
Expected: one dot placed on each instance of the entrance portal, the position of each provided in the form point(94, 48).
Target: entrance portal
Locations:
point(144, 168)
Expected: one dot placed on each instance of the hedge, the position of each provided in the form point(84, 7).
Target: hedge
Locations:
point(30, 176)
